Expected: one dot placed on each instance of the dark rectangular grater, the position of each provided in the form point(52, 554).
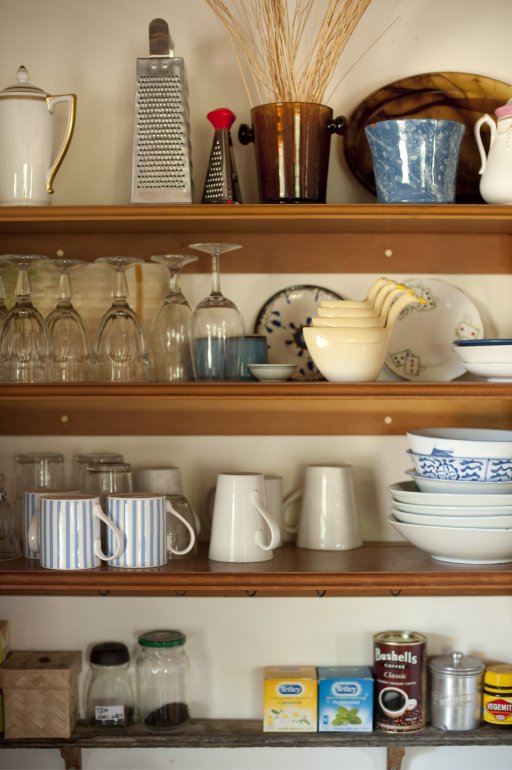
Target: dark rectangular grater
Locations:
point(161, 171)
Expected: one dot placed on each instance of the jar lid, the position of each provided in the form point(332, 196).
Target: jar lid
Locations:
point(456, 664)
point(162, 639)
point(22, 87)
point(499, 675)
point(110, 654)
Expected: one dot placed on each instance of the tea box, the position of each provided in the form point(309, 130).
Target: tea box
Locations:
point(345, 699)
point(290, 699)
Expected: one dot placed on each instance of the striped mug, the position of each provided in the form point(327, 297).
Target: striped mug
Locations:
point(67, 532)
point(141, 519)
point(30, 506)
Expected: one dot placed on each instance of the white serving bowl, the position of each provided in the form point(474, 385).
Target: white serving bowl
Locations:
point(490, 371)
point(466, 510)
point(465, 545)
point(484, 350)
point(461, 442)
point(272, 372)
point(467, 522)
point(461, 487)
point(462, 468)
point(408, 493)
point(347, 355)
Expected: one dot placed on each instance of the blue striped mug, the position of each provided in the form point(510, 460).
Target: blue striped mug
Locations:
point(141, 519)
point(30, 506)
point(67, 532)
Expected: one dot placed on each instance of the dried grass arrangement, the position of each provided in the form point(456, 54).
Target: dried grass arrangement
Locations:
point(289, 48)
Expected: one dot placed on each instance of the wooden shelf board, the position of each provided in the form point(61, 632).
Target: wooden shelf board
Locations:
point(291, 408)
point(376, 569)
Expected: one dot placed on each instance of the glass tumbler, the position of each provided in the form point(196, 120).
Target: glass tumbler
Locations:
point(36, 471)
point(92, 458)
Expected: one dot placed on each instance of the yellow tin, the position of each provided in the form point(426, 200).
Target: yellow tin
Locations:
point(497, 695)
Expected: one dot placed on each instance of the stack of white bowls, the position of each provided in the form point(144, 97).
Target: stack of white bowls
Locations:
point(487, 358)
point(458, 505)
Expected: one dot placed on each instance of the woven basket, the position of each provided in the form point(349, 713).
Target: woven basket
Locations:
point(40, 693)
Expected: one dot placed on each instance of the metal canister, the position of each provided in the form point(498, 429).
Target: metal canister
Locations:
point(455, 692)
point(399, 671)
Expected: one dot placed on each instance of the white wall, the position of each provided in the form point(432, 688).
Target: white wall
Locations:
point(90, 48)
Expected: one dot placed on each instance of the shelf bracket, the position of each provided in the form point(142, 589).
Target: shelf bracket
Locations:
point(394, 756)
point(72, 757)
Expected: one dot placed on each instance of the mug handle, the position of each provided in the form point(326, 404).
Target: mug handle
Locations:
point(290, 498)
point(33, 531)
point(183, 520)
point(275, 534)
point(98, 512)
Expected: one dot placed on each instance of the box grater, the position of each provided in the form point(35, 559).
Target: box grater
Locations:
point(161, 171)
point(221, 185)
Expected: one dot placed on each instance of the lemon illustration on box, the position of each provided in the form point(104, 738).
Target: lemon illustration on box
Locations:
point(290, 699)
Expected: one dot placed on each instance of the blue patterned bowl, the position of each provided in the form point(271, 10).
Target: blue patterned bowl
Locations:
point(462, 468)
point(415, 160)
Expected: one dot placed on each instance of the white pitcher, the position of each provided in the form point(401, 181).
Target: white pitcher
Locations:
point(496, 168)
point(28, 162)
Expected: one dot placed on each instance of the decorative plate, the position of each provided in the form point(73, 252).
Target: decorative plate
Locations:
point(458, 96)
point(407, 492)
point(282, 318)
point(461, 487)
point(420, 348)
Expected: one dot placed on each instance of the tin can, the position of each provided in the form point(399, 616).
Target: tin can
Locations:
point(400, 680)
point(497, 696)
point(455, 692)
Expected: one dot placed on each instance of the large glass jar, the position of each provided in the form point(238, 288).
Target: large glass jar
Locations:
point(162, 666)
point(110, 695)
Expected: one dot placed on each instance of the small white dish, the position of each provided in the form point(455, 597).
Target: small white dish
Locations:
point(467, 510)
point(463, 545)
point(461, 487)
point(408, 492)
point(489, 370)
point(492, 351)
point(468, 522)
point(272, 372)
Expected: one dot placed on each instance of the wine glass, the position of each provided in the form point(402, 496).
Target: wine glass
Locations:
point(121, 350)
point(25, 350)
point(3, 306)
point(170, 328)
point(68, 336)
point(216, 326)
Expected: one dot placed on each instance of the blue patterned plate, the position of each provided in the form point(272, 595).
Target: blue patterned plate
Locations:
point(282, 318)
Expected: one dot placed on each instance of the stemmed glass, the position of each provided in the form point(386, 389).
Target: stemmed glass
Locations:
point(216, 326)
point(68, 336)
point(3, 306)
point(25, 351)
point(121, 350)
point(170, 328)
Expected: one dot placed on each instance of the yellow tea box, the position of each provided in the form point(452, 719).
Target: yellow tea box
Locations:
point(290, 700)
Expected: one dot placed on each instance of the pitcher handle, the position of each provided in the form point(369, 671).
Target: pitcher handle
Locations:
point(51, 102)
point(488, 121)
point(183, 520)
point(290, 498)
point(98, 512)
point(275, 534)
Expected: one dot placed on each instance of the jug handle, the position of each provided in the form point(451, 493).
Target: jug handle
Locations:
point(275, 535)
point(51, 102)
point(290, 498)
point(183, 520)
point(488, 121)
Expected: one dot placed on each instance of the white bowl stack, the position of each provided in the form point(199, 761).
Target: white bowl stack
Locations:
point(487, 358)
point(458, 505)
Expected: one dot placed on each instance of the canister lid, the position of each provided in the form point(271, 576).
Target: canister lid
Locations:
point(162, 639)
point(110, 654)
point(499, 675)
point(22, 87)
point(456, 664)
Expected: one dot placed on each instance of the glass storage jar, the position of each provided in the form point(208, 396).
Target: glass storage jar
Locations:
point(162, 666)
point(110, 695)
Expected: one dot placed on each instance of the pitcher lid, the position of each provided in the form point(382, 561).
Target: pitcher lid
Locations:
point(22, 87)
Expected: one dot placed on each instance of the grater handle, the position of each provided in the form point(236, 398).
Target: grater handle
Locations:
point(160, 41)
point(221, 118)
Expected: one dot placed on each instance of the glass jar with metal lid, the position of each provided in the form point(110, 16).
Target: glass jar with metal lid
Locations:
point(110, 694)
point(456, 692)
point(162, 666)
point(497, 698)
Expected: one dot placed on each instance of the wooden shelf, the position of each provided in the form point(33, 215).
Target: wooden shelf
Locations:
point(367, 238)
point(376, 569)
point(291, 408)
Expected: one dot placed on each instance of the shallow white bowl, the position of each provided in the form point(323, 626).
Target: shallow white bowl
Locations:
point(272, 372)
point(484, 350)
point(461, 442)
point(490, 371)
point(464, 545)
point(464, 511)
point(462, 468)
point(409, 493)
point(467, 522)
point(461, 487)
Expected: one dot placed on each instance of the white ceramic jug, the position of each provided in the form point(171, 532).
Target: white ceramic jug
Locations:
point(28, 162)
point(496, 168)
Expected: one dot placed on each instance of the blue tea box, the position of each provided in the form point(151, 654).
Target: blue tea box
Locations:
point(345, 699)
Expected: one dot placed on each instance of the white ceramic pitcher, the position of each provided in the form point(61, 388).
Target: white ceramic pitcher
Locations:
point(28, 162)
point(496, 168)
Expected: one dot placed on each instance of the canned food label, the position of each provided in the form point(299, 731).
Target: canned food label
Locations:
point(497, 710)
point(400, 682)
